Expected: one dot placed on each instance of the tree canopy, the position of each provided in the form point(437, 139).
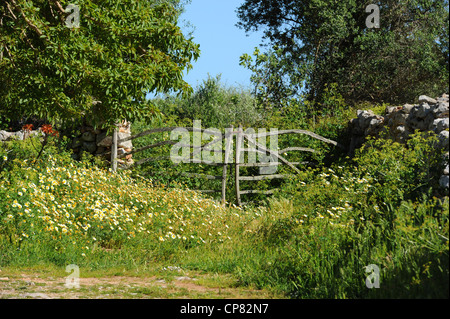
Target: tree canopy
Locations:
point(102, 69)
point(328, 41)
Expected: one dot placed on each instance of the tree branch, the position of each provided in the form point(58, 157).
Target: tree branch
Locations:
point(30, 24)
point(28, 40)
point(10, 55)
point(9, 9)
point(58, 5)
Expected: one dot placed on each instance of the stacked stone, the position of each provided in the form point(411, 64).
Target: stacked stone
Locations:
point(98, 142)
point(429, 115)
point(401, 121)
point(19, 135)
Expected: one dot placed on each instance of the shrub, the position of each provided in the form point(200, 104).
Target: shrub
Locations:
point(401, 171)
point(215, 105)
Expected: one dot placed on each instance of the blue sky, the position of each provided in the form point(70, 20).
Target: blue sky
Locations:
point(221, 42)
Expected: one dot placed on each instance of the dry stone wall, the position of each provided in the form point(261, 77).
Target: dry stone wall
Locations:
point(97, 142)
point(19, 135)
point(91, 140)
point(428, 115)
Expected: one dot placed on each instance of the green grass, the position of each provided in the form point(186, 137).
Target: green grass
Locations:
point(313, 239)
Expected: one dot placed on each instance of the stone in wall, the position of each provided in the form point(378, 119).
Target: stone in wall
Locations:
point(429, 115)
point(400, 121)
point(366, 124)
point(443, 139)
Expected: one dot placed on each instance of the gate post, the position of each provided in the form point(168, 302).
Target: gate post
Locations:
point(114, 150)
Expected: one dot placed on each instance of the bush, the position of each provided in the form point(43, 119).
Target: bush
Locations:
point(215, 105)
point(402, 171)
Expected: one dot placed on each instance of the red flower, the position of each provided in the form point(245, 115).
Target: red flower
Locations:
point(27, 127)
point(48, 129)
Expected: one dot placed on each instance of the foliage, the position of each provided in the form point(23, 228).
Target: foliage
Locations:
point(402, 172)
point(102, 70)
point(313, 239)
point(215, 104)
point(76, 208)
point(276, 82)
point(316, 237)
point(325, 41)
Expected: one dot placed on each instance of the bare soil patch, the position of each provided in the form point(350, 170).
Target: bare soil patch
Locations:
point(32, 285)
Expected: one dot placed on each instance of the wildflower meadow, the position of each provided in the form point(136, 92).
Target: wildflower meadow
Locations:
point(312, 239)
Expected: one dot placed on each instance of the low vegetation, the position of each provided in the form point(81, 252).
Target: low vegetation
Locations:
point(312, 239)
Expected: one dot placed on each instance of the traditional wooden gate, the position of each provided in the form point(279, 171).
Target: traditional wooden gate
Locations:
point(236, 161)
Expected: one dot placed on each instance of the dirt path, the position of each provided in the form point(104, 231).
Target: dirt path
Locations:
point(29, 284)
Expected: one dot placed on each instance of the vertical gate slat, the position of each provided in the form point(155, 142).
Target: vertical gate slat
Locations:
point(228, 143)
point(237, 162)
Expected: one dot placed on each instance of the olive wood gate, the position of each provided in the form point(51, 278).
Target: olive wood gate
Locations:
point(236, 161)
